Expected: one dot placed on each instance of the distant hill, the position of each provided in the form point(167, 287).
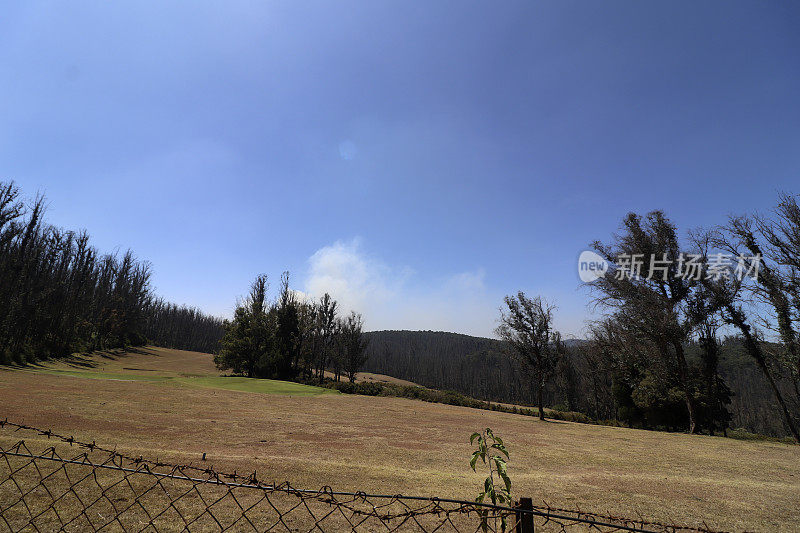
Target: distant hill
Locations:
point(478, 367)
point(451, 361)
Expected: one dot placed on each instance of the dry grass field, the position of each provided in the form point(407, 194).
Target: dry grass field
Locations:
point(175, 405)
point(369, 377)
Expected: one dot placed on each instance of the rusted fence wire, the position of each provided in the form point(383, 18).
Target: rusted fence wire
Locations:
point(47, 489)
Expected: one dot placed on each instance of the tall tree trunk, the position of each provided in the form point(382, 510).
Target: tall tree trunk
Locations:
point(755, 352)
point(683, 374)
point(596, 413)
point(539, 387)
point(786, 414)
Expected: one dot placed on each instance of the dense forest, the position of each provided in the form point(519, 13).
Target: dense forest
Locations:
point(480, 367)
point(60, 295)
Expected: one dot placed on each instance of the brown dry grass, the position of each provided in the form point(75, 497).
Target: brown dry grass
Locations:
point(393, 445)
point(369, 377)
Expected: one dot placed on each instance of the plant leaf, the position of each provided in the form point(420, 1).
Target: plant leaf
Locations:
point(507, 481)
point(474, 460)
point(500, 448)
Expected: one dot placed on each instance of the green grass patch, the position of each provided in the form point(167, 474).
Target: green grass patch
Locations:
point(235, 383)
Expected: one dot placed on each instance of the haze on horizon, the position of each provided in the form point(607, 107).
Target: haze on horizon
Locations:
point(418, 161)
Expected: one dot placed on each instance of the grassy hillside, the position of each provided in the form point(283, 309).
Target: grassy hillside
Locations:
point(237, 383)
point(146, 403)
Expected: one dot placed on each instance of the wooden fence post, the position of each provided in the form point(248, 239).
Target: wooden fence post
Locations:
point(524, 520)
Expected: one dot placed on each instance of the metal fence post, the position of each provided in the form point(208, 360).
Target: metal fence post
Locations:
point(524, 520)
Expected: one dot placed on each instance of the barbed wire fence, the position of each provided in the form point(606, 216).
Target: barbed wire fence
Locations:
point(99, 489)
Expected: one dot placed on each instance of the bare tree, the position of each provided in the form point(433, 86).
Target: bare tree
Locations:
point(527, 327)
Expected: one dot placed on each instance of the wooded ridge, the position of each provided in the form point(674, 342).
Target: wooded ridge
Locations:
point(478, 367)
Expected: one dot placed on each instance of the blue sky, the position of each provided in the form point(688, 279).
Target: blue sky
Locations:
point(417, 159)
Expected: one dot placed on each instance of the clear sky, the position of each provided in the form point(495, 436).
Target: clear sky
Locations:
point(417, 159)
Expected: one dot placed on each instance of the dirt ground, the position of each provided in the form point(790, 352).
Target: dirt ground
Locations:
point(393, 445)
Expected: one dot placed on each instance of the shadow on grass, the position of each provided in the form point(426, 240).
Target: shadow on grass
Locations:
point(117, 353)
point(85, 360)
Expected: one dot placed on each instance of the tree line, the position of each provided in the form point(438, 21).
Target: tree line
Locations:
point(181, 327)
point(60, 295)
point(669, 351)
point(662, 295)
point(291, 337)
